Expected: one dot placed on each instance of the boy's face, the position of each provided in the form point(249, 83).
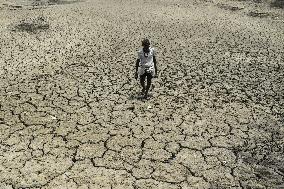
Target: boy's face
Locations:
point(146, 46)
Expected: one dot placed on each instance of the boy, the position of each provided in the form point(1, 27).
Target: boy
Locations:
point(147, 64)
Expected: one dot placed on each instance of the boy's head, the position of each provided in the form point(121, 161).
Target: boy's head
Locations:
point(146, 43)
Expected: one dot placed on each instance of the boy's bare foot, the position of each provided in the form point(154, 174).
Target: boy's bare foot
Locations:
point(143, 91)
point(145, 96)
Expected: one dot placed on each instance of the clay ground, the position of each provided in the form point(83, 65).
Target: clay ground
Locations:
point(70, 113)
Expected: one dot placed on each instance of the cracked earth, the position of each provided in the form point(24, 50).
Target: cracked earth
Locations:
point(70, 116)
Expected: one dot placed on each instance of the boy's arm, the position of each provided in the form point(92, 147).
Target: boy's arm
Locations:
point(155, 65)
point(136, 67)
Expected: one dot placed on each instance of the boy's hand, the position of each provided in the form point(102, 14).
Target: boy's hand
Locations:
point(156, 75)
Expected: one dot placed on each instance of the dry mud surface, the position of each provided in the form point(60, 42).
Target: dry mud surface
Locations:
point(70, 116)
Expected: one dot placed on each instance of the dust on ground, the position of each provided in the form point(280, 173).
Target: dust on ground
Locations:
point(70, 116)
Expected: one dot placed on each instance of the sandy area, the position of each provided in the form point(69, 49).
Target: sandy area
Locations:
point(70, 116)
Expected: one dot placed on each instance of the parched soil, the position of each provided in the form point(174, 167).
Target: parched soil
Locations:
point(70, 112)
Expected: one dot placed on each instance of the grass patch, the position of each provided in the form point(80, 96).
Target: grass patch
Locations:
point(258, 14)
point(229, 7)
point(278, 3)
point(53, 2)
point(32, 25)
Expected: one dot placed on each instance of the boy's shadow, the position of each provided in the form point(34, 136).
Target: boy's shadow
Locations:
point(139, 96)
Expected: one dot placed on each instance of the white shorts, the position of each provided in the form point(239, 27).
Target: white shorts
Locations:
point(142, 70)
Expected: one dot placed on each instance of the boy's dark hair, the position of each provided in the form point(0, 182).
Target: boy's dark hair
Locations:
point(145, 42)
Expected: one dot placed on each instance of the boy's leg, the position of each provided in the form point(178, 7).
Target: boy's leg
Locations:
point(142, 82)
point(149, 81)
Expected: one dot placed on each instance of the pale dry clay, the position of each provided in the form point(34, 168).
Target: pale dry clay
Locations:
point(69, 112)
